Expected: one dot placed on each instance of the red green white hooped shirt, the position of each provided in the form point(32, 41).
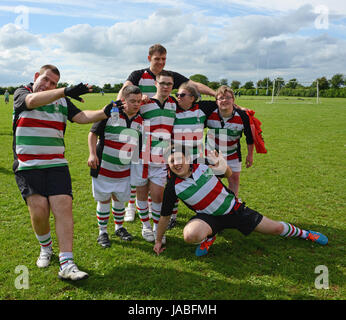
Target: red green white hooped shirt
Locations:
point(39, 133)
point(202, 192)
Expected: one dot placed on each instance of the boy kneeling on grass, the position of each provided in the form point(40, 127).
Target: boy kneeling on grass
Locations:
point(216, 207)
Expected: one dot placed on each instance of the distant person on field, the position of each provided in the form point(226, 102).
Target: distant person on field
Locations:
point(41, 112)
point(7, 96)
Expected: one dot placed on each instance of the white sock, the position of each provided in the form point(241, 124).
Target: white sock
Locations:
point(45, 241)
point(102, 214)
point(118, 210)
point(155, 213)
point(65, 258)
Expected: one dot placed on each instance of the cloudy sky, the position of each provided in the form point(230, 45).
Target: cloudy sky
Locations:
point(103, 41)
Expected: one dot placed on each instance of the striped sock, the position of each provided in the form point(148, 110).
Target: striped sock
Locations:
point(291, 231)
point(155, 214)
point(45, 241)
point(102, 214)
point(132, 202)
point(150, 202)
point(118, 211)
point(64, 259)
point(142, 208)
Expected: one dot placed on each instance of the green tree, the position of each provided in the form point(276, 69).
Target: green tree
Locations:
point(223, 82)
point(213, 85)
point(235, 84)
point(292, 84)
point(337, 80)
point(200, 78)
point(323, 83)
point(248, 85)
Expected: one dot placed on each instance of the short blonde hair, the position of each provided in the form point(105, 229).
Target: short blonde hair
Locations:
point(223, 90)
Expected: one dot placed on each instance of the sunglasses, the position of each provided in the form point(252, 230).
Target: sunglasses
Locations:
point(182, 95)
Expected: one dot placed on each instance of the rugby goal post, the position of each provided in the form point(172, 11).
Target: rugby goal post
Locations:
point(277, 88)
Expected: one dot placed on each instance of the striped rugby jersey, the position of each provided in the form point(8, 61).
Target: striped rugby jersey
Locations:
point(224, 134)
point(188, 130)
point(39, 136)
point(202, 192)
point(147, 84)
point(118, 145)
point(158, 125)
point(145, 80)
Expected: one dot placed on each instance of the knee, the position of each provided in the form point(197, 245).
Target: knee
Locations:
point(191, 236)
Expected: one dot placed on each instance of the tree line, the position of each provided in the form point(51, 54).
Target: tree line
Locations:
point(334, 87)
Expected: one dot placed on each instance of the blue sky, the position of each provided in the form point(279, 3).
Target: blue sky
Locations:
point(103, 41)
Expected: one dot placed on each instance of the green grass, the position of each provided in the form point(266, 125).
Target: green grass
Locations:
point(301, 180)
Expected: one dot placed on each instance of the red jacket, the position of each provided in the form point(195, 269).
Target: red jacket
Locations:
point(256, 130)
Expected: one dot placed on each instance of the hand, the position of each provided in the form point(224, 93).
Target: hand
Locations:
point(145, 99)
point(107, 109)
point(219, 164)
point(158, 248)
point(249, 161)
point(75, 91)
point(93, 161)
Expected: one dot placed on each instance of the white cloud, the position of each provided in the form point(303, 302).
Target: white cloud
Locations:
point(244, 48)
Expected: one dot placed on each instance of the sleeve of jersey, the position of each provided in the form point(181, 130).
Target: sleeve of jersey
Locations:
point(135, 76)
point(207, 106)
point(19, 96)
point(72, 110)
point(169, 198)
point(178, 80)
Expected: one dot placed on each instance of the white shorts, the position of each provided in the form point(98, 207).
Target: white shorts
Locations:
point(103, 188)
point(156, 174)
point(234, 164)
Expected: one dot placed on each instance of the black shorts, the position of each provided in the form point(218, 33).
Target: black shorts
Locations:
point(243, 219)
point(45, 182)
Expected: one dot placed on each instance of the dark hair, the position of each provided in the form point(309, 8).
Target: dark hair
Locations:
point(131, 89)
point(165, 73)
point(157, 48)
point(50, 67)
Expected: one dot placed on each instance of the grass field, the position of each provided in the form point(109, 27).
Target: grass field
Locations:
point(301, 180)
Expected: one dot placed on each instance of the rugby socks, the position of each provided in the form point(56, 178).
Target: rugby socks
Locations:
point(64, 259)
point(143, 212)
point(45, 241)
point(149, 205)
point(118, 211)
point(102, 214)
point(132, 202)
point(291, 231)
point(155, 213)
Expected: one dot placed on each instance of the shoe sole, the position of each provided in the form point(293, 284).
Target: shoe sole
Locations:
point(69, 279)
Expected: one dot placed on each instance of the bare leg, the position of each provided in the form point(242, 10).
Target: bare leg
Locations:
point(233, 182)
point(61, 206)
point(268, 226)
point(196, 231)
point(39, 212)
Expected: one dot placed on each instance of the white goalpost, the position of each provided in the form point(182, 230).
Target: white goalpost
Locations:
point(278, 86)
